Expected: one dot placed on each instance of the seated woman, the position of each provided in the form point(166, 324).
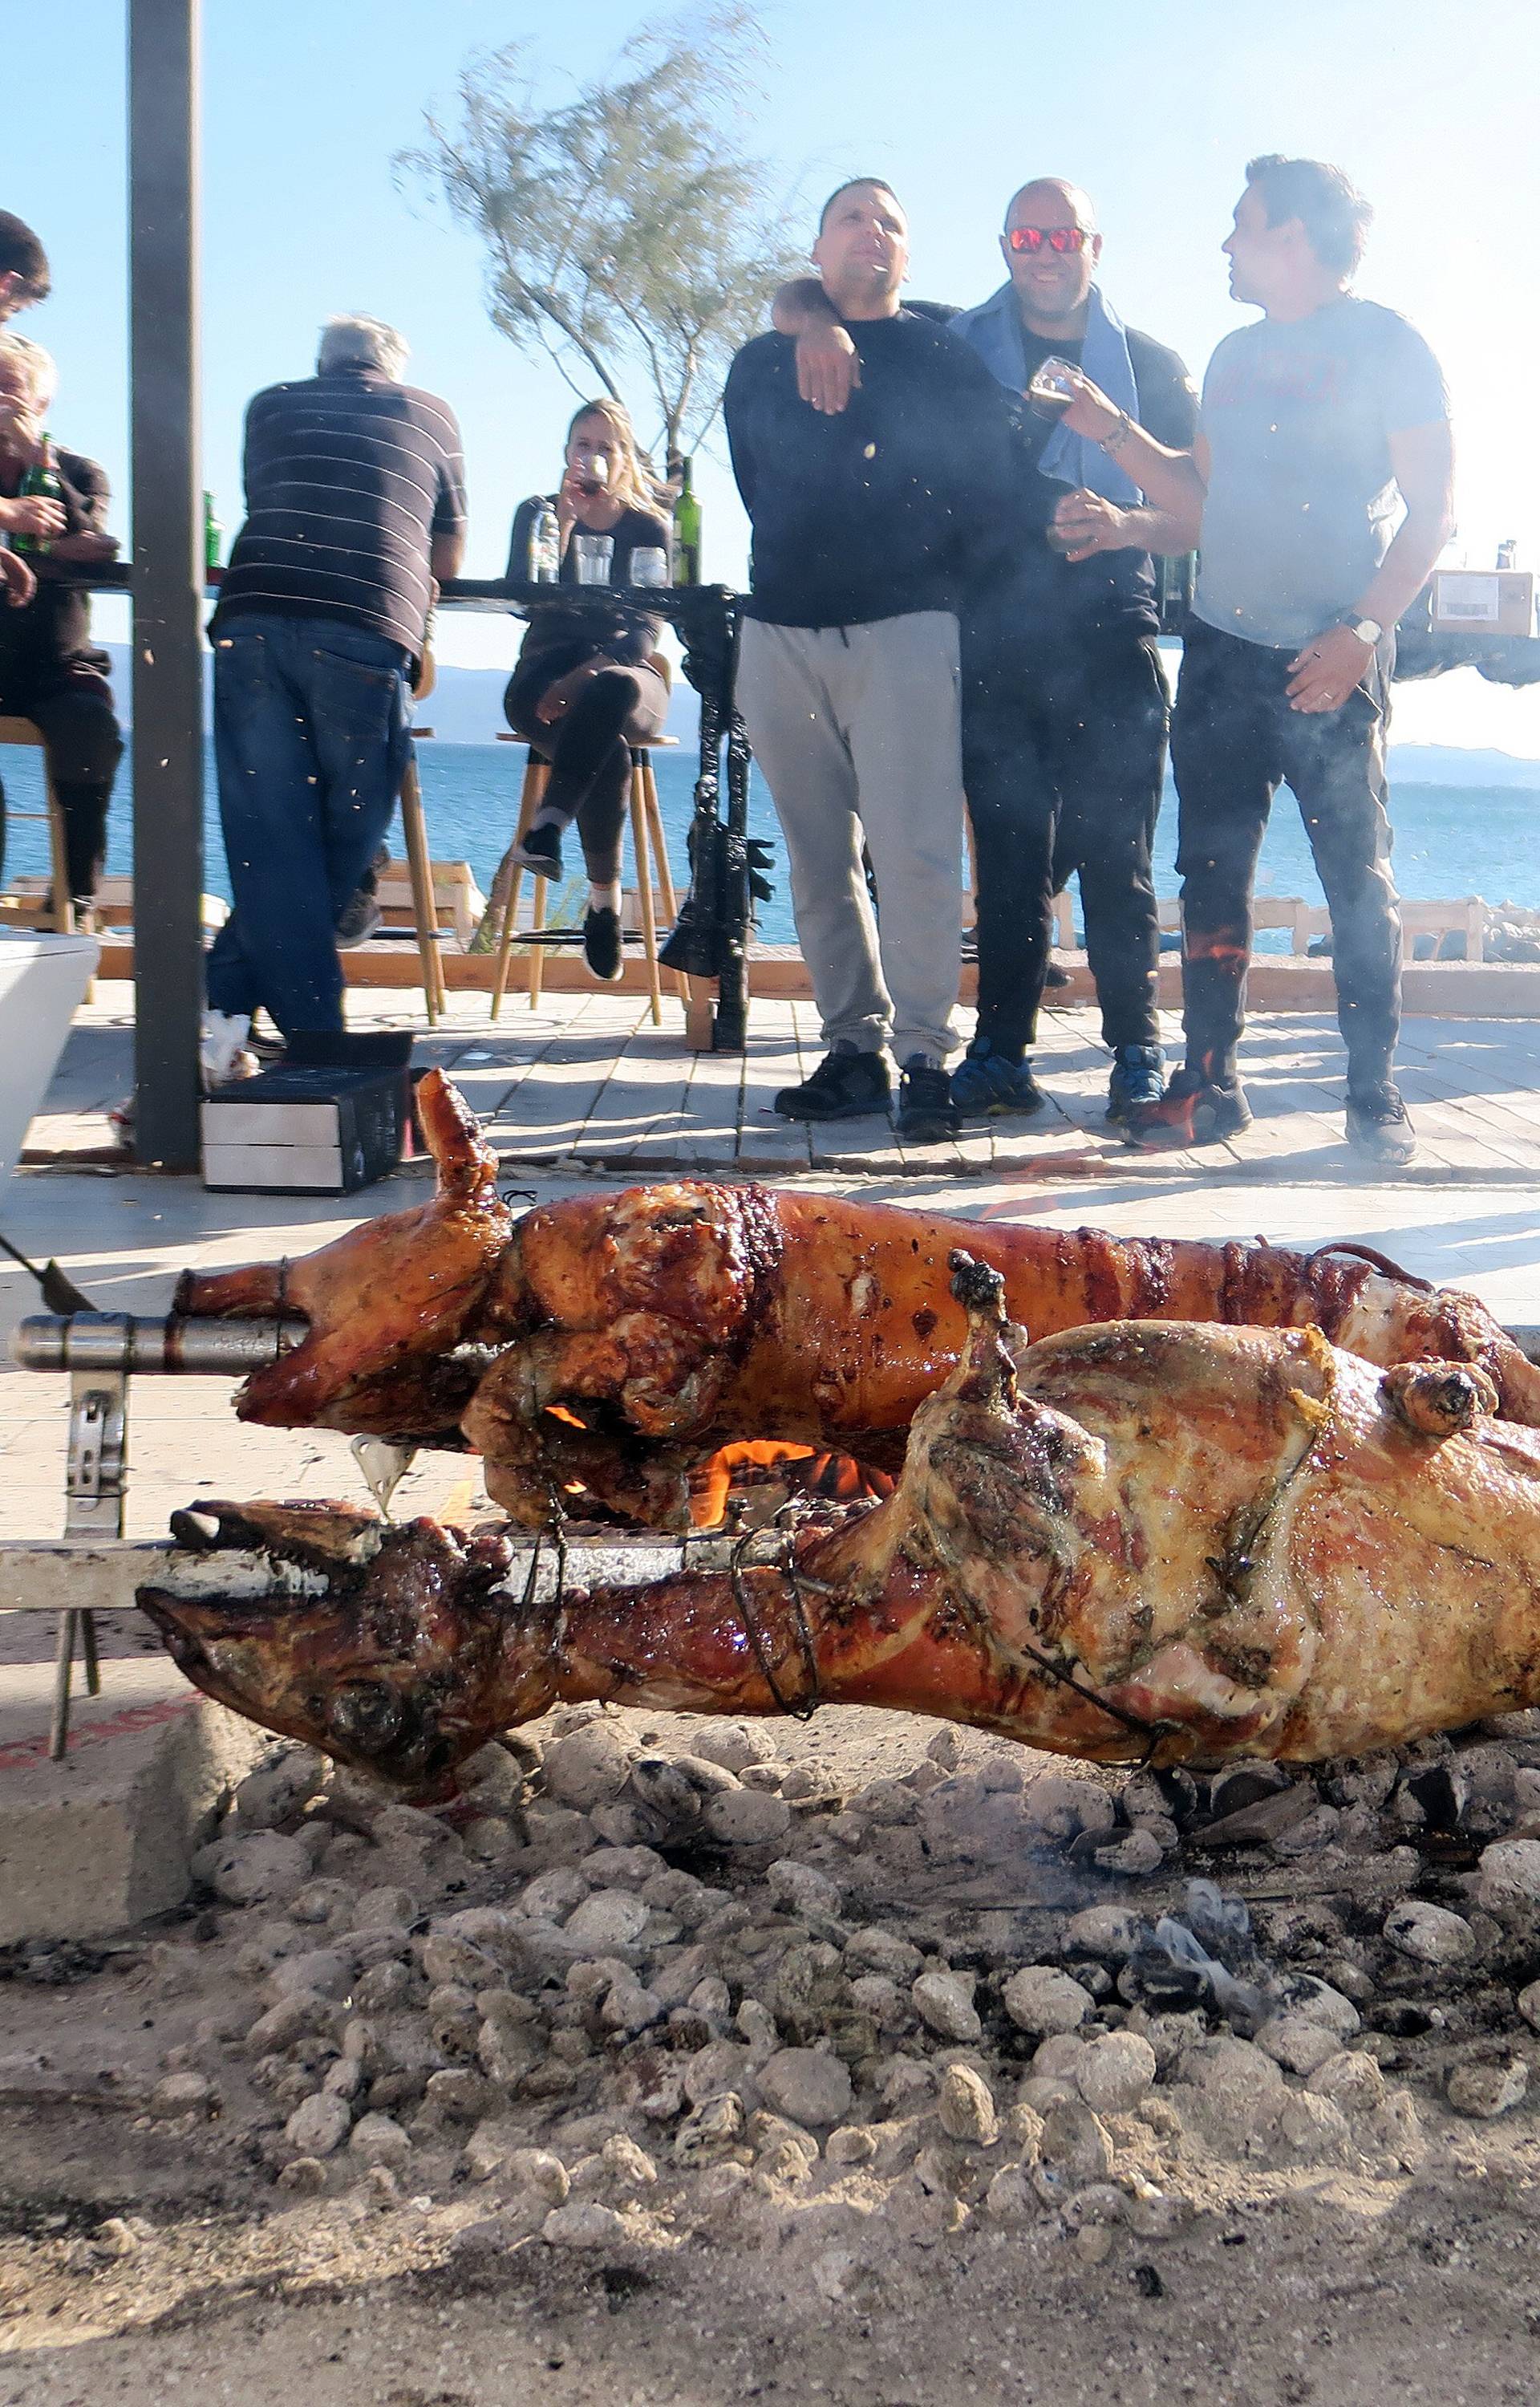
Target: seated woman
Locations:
point(583, 689)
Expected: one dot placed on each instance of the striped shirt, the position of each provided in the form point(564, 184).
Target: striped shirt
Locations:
point(349, 477)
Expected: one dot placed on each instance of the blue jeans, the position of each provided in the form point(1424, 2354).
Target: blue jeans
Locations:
point(311, 742)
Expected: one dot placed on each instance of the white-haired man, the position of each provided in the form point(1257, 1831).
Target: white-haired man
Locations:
point(50, 670)
point(355, 497)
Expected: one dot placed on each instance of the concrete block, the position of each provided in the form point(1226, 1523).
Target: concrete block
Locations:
point(100, 1840)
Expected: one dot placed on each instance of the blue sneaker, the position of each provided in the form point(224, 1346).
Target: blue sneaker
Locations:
point(1139, 1078)
point(991, 1081)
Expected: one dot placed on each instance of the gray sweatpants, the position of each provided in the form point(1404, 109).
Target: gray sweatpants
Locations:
point(857, 731)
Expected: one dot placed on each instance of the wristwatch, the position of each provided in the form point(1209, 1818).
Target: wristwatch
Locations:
point(1368, 631)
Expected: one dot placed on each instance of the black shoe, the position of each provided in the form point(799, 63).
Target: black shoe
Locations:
point(927, 1113)
point(1138, 1080)
point(538, 849)
point(1378, 1125)
point(1193, 1110)
point(845, 1085)
point(994, 1082)
point(602, 942)
point(1053, 975)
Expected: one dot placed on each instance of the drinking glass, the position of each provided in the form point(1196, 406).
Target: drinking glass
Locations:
point(594, 553)
point(650, 565)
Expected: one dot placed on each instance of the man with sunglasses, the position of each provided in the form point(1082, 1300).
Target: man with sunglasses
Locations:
point(1065, 705)
point(1324, 424)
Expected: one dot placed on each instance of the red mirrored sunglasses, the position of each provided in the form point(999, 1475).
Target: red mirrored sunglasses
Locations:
point(1060, 238)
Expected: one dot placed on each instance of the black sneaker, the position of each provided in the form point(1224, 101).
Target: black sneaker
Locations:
point(1378, 1124)
point(1193, 1110)
point(845, 1085)
point(927, 1113)
point(1138, 1080)
point(601, 944)
point(540, 849)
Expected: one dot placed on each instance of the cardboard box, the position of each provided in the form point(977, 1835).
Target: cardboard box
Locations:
point(1483, 602)
point(308, 1131)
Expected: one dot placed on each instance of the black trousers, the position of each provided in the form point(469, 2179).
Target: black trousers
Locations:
point(1234, 742)
point(1063, 757)
point(84, 746)
point(589, 750)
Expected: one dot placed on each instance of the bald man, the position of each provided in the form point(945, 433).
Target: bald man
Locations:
point(1064, 702)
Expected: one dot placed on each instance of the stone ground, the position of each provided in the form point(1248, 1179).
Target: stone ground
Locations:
point(144, 2252)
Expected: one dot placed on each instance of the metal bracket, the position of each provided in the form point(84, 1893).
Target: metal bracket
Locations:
point(95, 1486)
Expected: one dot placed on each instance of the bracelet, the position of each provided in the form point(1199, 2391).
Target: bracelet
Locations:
point(1113, 443)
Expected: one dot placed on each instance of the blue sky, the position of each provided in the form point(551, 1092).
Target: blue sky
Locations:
point(1155, 111)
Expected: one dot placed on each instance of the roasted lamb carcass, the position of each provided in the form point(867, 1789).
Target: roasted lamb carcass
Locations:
point(635, 1335)
point(390, 1306)
point(1149, 1542)
point(651, 1327)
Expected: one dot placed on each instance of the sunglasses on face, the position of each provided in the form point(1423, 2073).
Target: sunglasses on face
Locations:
point(1060, 238)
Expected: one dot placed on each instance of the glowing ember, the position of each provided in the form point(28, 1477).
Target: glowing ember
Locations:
point(835, 1477)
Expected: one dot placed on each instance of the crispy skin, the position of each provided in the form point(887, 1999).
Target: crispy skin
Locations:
point(674, 1318)
point(1151, 1541)
point(386, 1305)
point(635, 1333)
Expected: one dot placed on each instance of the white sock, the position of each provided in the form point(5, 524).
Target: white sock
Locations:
point(605, 898)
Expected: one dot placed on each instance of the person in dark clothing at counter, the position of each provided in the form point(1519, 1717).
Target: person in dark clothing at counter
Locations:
point(587, 684)
point(871, 528)
point(1064, 702)
point(355, 498)
point(50, 670)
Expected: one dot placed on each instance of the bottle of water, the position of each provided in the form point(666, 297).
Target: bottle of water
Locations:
point(544, 546)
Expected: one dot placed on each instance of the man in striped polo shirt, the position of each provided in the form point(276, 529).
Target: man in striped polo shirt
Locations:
point(354, 496)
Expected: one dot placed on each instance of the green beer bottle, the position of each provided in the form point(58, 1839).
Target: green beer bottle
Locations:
point(687, 530)
point(40, 476)
point(213, 534)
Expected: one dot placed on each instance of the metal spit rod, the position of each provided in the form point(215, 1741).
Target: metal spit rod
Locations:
point(174, 1344)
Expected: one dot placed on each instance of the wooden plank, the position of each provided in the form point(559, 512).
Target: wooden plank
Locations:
point(549, 1112)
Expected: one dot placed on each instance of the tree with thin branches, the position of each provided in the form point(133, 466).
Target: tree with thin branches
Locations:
point(631, 236)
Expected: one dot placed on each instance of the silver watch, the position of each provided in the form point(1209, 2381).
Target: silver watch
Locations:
point(1368, 631)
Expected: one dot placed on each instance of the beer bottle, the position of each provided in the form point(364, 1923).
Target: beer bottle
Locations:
point(544, 546)
point(213, 534)
point(687, 530)
point(40, 476)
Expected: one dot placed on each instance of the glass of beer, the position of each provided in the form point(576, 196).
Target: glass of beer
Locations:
point(650, 565)
point(1051, 390)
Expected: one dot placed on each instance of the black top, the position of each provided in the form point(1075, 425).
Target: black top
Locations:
point(349, 477)
point(52, 634)
point(905, 502)
point(1116, 587)
point(622, 635)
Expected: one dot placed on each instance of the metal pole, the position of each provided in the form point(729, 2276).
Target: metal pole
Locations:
point(168, 577)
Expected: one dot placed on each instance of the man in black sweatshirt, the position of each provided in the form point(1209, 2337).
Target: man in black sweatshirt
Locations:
point(871, 529)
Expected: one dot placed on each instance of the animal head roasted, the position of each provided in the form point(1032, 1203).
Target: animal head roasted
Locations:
point(390, 1665)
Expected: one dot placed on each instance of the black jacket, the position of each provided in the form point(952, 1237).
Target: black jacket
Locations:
point(907, 501)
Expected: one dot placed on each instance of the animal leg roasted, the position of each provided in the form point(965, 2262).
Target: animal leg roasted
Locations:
point(387, 1305)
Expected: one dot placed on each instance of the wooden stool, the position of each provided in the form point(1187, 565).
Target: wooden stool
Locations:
point(652, 854)
point(24, 731)
point(424, 902)
point(536, 771)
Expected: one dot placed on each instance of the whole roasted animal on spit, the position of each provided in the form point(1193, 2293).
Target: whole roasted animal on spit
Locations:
point(612, 1342)
point(1148, 1541)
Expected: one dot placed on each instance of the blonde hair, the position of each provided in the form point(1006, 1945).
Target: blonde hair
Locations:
point(36, 364)
point(635, 484)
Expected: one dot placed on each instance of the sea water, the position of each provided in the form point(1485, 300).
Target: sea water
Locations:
point(1450, 841)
